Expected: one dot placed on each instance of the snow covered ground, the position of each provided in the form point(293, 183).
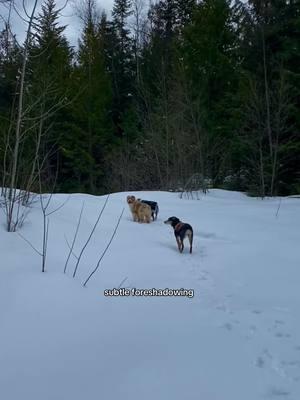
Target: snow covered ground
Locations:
point(238, 338)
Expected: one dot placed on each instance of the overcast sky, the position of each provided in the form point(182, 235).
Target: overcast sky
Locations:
point(68, 18)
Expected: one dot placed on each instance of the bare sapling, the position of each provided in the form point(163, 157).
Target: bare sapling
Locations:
point(71, 252)
point(89, 237)
point(105, 250)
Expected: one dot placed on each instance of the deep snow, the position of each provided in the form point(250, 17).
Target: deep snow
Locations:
point(238, 338)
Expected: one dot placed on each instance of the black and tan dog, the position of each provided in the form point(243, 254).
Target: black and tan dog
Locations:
point(181, 231)
point(154, 207)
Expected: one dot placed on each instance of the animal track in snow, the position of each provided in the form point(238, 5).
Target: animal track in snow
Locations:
point(257, 312)
point(278, 322)
point(223, 307)
point(289, 370)
point(282, 335)
point(292, 368)
point(260, 362)
point(292, 363)
point(208, 235)
point(227, 326)
point(278, 392)
point(204, 276)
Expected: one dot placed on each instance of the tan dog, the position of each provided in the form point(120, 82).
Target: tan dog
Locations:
point(141, 212)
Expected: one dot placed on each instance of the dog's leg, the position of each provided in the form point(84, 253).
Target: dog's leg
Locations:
point(179, 244)
point(190, 236)
point(182, 246)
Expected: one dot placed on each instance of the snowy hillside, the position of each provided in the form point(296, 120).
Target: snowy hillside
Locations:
point(238, 338)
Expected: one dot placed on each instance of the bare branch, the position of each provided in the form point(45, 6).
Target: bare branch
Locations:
point(90, 235)
point(74, 238)
point(30, 244)
point(107, 247)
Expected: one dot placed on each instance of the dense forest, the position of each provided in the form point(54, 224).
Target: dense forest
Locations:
point(153, 96)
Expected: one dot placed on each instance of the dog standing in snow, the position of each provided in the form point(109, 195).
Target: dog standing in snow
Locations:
point(181, 231)
point(141, 212)
point(154, 207)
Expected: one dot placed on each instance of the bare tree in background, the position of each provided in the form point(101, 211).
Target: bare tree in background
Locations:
point(138, 27)
point(28, 116)
point(264, 168)
point(12, 197)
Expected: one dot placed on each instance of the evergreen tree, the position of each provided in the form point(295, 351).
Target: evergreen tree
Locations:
point(122, 62)
point(270, 85)
point(9, 64)
point(210, 63)
point(50, 53)
point(10, 61)
point(50, 58)
point(92, 130)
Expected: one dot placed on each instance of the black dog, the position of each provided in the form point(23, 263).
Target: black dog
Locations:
point(181, 231)
point(154, 207)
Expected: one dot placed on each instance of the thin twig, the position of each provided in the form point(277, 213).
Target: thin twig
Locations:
point(68, 244)
point(59, 207)
point(74, 239)
point(125, 279)
point(90, 235)
point(45, 244)
point(106, 248)
point(30, 244)
point(278, 208)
